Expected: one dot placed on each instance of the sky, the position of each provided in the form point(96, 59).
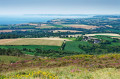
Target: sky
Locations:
point(12, 7)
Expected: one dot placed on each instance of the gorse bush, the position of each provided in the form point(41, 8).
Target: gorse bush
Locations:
point(30, 75)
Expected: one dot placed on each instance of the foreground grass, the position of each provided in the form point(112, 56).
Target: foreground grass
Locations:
point(68, 72)
point(76, 72)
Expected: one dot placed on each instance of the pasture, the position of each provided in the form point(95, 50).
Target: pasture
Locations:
point(73, 46)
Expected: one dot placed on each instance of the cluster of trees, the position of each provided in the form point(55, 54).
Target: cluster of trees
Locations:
point(9, 35)
point(11, 52)
point(50, 53)
point(101, 48)
point(36, 52)
point(63, 45)
point(53, 53)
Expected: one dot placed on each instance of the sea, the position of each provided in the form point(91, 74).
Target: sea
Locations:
point(27, 18)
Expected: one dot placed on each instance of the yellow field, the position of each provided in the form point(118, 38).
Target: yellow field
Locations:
point(32, 41)
point(6, 30)
point(80, 26)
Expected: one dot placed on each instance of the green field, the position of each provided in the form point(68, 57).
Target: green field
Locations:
point(104, 37)
point(71, 38)
point(113, 30)
point(115, 44)
point(109, 39)
point(57, 26)
point(74, 46)
point(33, 47)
